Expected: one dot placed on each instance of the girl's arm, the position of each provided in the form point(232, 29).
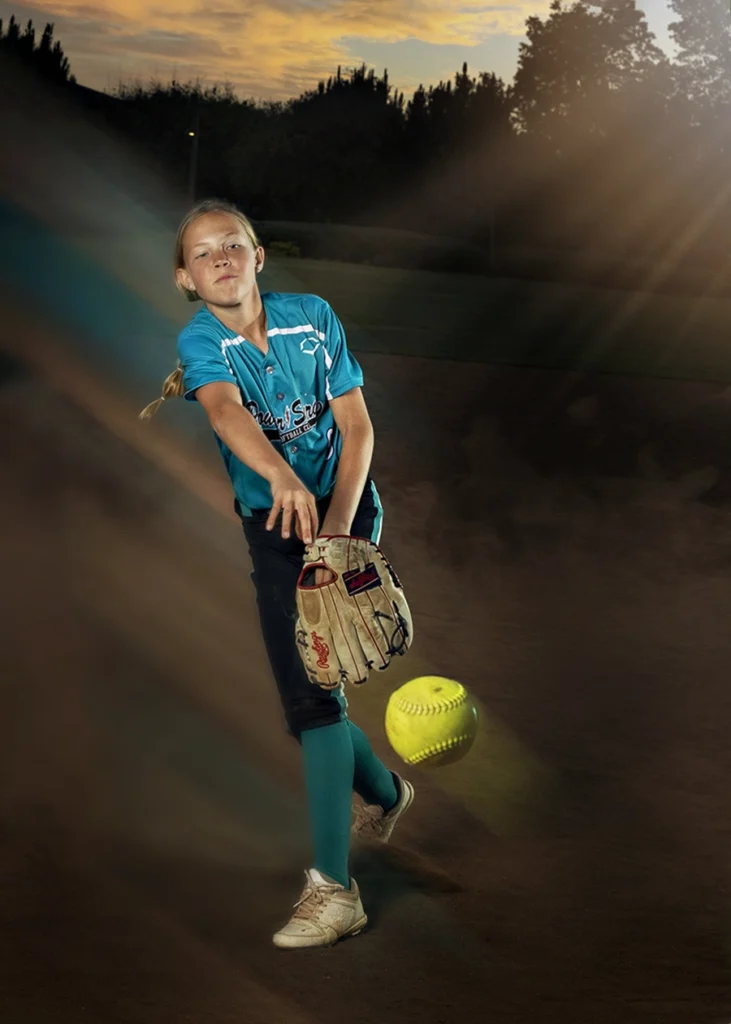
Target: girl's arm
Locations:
point(240, 432)
point(354, 424)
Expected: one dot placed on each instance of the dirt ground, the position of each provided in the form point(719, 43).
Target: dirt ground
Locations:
point(565, 543)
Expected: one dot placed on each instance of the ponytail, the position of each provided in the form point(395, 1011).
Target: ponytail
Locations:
point(172, 388)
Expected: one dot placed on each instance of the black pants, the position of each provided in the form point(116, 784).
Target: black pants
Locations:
point(277, 563)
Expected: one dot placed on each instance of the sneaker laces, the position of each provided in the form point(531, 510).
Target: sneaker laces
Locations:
point(311, 901)
point(369, 819)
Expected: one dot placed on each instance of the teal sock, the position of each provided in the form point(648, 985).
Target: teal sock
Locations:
point(327, 753)
point(371, 778)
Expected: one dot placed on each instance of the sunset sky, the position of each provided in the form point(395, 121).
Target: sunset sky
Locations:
point(276, 48)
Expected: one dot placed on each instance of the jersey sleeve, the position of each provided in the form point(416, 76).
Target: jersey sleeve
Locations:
point(203, 361)
point(343, 371)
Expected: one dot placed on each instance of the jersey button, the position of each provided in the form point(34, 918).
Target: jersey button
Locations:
point(293, 449)
point(280, 396)
point(270, 369)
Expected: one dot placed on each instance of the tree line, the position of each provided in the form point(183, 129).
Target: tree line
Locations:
point(45, 55)
point(601, 141)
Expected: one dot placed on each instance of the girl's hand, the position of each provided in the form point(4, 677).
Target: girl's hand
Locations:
point(291, 498)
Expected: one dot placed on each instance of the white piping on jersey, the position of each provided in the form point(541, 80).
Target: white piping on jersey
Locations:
point(228, 342)
point(328, 366)
point(300, 329)
point(295, 330)
point(225, 342)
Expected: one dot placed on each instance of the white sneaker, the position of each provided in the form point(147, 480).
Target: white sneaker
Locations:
point(324, 913)
point(372, 823)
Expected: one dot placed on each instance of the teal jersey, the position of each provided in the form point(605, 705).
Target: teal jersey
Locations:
point(288, 391)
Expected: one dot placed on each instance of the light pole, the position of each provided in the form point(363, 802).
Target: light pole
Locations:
point(194, 135)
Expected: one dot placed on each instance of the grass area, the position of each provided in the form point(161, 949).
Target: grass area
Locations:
point(524, 323)
point(589, 265)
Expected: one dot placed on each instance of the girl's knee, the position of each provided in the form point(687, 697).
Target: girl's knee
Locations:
point(314, 712)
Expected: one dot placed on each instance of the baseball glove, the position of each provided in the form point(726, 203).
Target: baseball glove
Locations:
point(354, 621)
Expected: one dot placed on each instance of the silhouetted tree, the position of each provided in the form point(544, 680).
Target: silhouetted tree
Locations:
point(45, 58)
point(580, 65)
point(702, 107)
point(591, 105)
point(455, 139)
point(462, 114)
point(702, 35)
point(343, 137)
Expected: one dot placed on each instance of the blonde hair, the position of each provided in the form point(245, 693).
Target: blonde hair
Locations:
point(173, 384)
point(172, 388)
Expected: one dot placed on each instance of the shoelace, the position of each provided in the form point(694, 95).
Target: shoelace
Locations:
point(311, 900)
point(369, 819)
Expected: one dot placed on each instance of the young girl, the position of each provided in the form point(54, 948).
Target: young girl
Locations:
point(283, 396)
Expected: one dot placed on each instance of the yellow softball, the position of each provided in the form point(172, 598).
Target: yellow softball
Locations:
point(431, 721)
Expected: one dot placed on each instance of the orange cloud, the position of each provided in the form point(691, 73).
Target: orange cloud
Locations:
point(264, 47)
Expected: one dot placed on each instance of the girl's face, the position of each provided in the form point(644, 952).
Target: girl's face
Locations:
point(221, 263)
